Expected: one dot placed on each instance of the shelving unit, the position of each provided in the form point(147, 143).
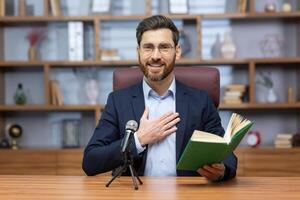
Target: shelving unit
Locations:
point(247, 66)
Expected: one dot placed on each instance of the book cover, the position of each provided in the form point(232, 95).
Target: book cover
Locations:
point(55, 7)
point(207, 148)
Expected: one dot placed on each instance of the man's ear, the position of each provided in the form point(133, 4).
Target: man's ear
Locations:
point(178, 51)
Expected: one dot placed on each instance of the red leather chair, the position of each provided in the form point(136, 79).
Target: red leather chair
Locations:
point(205, 78)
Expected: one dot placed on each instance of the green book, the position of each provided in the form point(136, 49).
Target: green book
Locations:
point(206, 148)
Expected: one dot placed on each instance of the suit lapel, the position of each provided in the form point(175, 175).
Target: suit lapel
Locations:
point(138, 103)
point(182, 109)
point(138, 106)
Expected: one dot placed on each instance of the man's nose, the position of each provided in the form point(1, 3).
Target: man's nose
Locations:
point(156, 54)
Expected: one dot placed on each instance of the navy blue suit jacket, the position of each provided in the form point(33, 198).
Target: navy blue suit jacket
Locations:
point(196, 111)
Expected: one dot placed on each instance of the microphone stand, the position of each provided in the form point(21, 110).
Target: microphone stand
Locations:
point(128, 162)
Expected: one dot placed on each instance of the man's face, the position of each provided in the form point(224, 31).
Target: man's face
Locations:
point(157, 54)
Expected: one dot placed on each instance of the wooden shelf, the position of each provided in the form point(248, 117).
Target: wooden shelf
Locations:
point(13, 108)
point(222, 106)
point(280, 60)
point(251, 16)
point(254, 106)
point(275, 15)
point(183, 61)
point(43, 19)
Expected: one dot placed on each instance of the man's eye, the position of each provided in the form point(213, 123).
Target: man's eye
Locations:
point(164, 47)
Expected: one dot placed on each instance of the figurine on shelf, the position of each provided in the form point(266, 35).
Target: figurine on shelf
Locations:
point(34, 37)
point(270, 7)
point(14, 131)
point(184, 42)
point(267, 82)
point(20, 96)
point(272, 45)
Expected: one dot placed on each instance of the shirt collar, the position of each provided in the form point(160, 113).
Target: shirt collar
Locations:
point(149, 92)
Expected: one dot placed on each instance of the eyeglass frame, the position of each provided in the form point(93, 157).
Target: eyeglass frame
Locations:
point(161, 50)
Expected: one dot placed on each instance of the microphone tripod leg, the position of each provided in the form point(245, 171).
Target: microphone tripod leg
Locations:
point(117, 174)
point(137, 177)
point(133, 177)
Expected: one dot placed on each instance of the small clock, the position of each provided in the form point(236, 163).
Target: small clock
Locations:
point(253, 138)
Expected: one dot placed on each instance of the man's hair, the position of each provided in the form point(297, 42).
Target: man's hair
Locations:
point(156, 22)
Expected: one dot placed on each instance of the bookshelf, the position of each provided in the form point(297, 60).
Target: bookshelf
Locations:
point(244, 67)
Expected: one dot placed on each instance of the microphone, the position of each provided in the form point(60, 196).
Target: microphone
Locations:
point(131, 127)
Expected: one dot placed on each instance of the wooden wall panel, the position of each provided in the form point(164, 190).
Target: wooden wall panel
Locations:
point(240, 157)
point(27, 162)
point(251, 162)
point(270, 162)
point(69, 162)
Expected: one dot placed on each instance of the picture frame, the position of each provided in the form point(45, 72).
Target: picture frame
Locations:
point(71, 133)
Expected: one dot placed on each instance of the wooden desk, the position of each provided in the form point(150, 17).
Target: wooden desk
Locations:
point(81, 187)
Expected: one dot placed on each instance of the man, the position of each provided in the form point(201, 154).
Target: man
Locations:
point(167, 112)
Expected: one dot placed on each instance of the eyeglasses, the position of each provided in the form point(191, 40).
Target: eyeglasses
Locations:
point(162, 48)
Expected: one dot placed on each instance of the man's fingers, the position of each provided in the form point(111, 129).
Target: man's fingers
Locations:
point(212, 169)
point(165, 116)
point(171, 124)
point(169, 131)
point(168, 118)
point(203, 172)
point(146, 113)
point(218, 166)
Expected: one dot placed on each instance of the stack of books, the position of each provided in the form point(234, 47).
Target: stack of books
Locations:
point(234, 93)
point(284, 140)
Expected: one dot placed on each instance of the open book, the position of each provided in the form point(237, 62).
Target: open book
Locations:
point(206, 148)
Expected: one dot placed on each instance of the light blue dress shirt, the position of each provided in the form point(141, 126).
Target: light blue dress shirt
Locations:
point(161, 156)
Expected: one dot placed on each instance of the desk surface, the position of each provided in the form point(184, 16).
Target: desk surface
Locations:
point(81, 187)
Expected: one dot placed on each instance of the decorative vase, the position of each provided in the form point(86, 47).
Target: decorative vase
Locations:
point(228, 48)
point(32, 53)
point(271, 96)
point(216, 47)
point(92, 91)
point(20, 96)
point(286, 7)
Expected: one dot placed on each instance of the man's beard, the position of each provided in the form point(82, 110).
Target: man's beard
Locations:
point(167, 69)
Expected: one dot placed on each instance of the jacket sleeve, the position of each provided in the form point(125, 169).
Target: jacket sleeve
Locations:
point(213, 124)
point(103, 152)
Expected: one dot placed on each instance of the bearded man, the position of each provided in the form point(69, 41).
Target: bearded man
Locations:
point(157, 103)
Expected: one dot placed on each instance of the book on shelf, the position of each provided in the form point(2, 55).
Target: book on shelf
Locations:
point(287, 140)
point(55, 7)
point(109, 54)
point(2, 8)
point(56, 96)
point(100, 6)
point(178, 6)
point(206, 148)
point(234, 93)
point(241, 6)
point(76, 41)
point(236, 87)
point(22, 7)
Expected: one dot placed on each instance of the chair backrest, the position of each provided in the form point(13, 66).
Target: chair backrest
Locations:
point(205, 78)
